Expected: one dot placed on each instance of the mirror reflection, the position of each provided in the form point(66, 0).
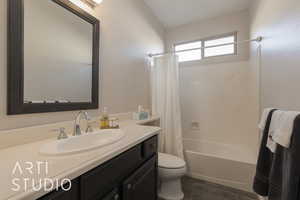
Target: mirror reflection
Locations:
point(57, 54)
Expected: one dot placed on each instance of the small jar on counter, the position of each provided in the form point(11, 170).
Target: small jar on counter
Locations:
point(114, 122)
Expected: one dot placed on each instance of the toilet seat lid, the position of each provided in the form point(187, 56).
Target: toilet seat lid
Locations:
point(169, 161)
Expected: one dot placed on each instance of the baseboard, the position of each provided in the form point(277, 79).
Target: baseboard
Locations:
point(233, 184)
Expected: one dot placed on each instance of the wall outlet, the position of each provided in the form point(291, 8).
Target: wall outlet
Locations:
point(195, 126)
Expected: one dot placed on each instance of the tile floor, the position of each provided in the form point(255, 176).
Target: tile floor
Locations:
point(201, 190)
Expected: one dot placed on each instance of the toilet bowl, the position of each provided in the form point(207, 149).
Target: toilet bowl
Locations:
point(170, 170)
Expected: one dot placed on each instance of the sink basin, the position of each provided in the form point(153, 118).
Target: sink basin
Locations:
point(85, 142)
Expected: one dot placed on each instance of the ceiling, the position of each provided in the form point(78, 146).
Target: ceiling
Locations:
point(177, 12)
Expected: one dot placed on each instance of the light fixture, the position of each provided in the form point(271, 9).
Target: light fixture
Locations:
point(86, 4)
point(97, 1)
point(81, 4)
point(94, 2)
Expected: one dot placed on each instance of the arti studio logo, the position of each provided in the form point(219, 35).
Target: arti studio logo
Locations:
point(28, 176)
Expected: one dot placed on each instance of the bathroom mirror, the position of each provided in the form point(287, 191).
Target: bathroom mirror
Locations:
point(53, 57)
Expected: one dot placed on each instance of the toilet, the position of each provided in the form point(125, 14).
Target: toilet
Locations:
point(170, 170)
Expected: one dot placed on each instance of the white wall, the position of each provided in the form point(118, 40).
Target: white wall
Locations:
point(279, 23)
point(218, 93)
point(238, 21)
point(128, 32)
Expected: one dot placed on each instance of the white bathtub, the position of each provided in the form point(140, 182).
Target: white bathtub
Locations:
point(229, 165)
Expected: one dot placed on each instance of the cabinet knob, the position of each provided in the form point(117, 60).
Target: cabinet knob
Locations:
point(129, 186)
point(116, 197)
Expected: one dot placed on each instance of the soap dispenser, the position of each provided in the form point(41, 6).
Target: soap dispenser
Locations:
point(142, 114)
point(104, 120)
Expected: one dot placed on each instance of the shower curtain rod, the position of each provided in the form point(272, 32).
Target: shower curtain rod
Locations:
point(258, 39)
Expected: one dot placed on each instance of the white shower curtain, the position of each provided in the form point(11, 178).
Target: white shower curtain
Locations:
point(165, 103)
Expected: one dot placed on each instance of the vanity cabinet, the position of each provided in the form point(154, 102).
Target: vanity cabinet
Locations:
point(142, 184)
point(131, 175)
point(114, 195)
point(101, 180)
point(72, 194)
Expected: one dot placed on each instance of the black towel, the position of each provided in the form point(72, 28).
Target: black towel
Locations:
point(264, 163)
point(277, 175)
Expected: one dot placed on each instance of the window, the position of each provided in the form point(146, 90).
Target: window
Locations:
point(218, 46)
point(210, 49)
point(189, 55)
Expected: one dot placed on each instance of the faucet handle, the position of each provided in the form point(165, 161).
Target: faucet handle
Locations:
point(62, 133)
point(90, 128)
point(88, 117)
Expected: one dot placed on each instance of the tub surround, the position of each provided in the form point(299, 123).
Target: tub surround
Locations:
point(61, 167)
point(234, 165)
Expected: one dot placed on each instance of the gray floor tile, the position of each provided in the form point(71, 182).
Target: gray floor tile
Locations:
point(195, 189)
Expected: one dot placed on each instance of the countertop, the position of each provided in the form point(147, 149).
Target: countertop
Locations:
point(61, 167)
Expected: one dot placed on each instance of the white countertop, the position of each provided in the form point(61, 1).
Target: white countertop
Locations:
point(61, 167)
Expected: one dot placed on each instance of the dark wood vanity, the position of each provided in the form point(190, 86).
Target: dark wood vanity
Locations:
point(131, 175)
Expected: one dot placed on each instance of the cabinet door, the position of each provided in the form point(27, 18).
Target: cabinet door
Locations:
point(103, 179)
point(72, 194)
point(114, 195)
point(150, 147)
point(143, 183)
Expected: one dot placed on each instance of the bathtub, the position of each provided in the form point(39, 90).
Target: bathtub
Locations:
point(229, 165)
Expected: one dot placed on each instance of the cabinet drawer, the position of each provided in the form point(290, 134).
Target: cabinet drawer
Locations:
point(73, 193)
point(150, 147)
point(103, 179)
point(142, 184)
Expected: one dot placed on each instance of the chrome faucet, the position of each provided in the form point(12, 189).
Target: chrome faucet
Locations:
point(62, 134)
point(77, 129)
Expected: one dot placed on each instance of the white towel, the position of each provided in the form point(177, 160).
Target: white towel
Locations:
point(262, 125)
point(281, 129)
point(264, 117)
point(284, 130)
point(275, 123)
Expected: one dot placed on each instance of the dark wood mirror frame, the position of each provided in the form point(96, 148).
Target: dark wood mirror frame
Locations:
point(15, 62)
